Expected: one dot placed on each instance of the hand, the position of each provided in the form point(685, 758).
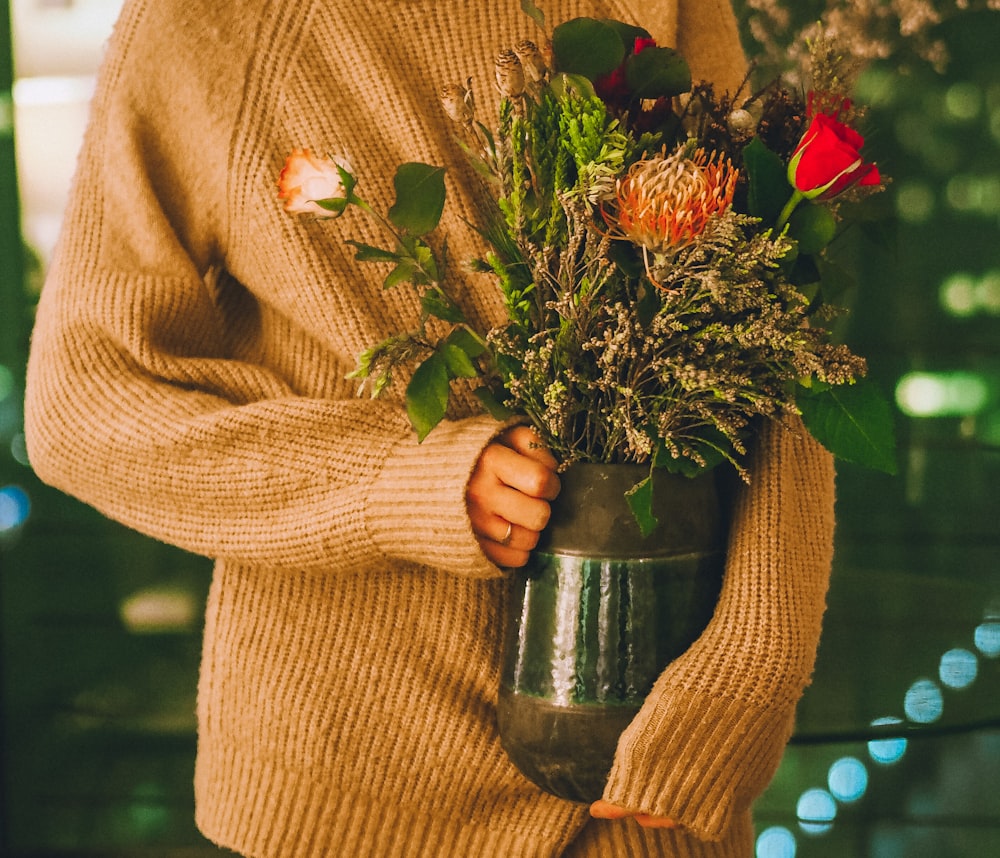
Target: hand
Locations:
point(508, 495)
point(602, 809)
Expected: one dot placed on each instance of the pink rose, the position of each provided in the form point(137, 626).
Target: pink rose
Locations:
point(307, 179)
point(828, 160)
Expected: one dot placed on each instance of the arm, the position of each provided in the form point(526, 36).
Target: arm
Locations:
point(712, 731)
point(153, 392)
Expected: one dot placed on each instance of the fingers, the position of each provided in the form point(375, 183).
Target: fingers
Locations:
point(525, 440)
point(602, 809)
point(507, 523)
point(528, 469)
point(502, 555)
point(508, 495)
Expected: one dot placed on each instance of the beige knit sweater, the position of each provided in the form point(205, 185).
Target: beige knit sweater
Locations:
point(187, 378)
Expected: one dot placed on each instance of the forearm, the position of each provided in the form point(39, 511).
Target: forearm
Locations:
point(284, 479)
point(713, 730)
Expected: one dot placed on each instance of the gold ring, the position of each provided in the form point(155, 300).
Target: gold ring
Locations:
point(505, 540)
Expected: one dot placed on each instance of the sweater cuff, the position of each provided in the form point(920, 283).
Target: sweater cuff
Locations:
point(671, 781)
point(416, 506)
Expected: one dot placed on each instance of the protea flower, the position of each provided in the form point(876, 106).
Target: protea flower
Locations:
point(664, 203)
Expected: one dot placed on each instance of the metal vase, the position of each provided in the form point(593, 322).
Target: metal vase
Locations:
point(598, 613)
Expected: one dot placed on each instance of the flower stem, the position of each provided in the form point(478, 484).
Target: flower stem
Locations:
point(796, 198)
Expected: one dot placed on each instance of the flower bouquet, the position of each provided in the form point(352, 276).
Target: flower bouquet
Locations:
point(661, 251)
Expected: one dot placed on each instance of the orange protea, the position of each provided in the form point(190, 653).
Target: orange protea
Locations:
point(664, 203)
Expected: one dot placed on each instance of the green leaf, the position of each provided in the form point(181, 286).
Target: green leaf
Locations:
point(853, 422)
point(714, 447)
point(348, 181)
point(533, 12)
point(402, 273)
point(564, 85)
point(425, 260)
point(656, 73)
point(368, 253)
point(801, 268)
point(628, 33)
point(435, 303)
point(839, 288)
point(467, 341)
point(640, 501)
point(427, 395)
point(458, 362)
point(813, 227)
point(420, 196)
point(587, 47)
point(491, 405)
point(768, 179)
point(334, 204)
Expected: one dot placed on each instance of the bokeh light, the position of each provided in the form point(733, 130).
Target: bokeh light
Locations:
point(776, 842)
point(19, 449)
point(959, 295)
point(6, 382)
point(816, 810)
point(958, 668)
point(963, 101)
point(15, 507)
point(923, 703)
point(994, 124)
point(974, 193)
point(987, 638)
point(942, 394)
point(988, 292)
point(889, 750)
point(915, 201)
point(848, 779)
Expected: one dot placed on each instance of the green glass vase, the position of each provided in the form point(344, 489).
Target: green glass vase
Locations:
point(597, 614)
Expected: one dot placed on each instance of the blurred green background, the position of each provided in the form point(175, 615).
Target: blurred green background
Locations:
point(898, 747)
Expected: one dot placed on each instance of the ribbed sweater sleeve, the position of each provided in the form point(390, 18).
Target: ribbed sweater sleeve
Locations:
point(712, 732)
point(141, 398)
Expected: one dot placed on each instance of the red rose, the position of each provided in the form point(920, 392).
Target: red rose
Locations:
point(828, 160)
point(612, 88)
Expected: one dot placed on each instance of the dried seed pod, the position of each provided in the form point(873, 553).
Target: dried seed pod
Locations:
point(741, 122)
point(458, 102)
point(510, 74)
point(531, 59)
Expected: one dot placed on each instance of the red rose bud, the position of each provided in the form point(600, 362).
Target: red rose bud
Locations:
point(641, 43)
point(828, 160)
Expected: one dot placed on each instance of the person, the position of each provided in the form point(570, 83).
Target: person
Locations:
point(187, 377)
